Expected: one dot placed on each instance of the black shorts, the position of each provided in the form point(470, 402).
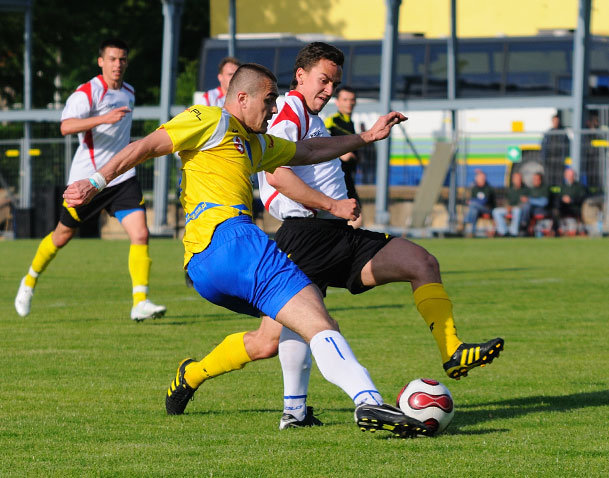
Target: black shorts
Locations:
point(116, 200)
point(330, 252)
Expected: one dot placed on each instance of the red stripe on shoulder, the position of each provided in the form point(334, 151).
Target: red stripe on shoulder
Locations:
point(86, 89)
point(130, 90)
point(288, 114)
point(301, 97)
point(104, 84)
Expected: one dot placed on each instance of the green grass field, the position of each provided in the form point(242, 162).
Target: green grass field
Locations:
point(83, 386)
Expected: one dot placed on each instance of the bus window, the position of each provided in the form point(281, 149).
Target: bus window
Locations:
point(365, 69)
point(410, 68)
point(262, 56)
point(285, 67)
point(208, 69)
point(435, 84)
point(599, 68)
point(538, 67)
point(480, 69)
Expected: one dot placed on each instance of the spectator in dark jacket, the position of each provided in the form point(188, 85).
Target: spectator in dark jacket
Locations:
point(481, 201)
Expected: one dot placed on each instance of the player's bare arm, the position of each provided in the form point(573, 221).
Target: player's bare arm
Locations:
point(289, 184)
point(318, 150)
point(78, 125)
point(155, 144)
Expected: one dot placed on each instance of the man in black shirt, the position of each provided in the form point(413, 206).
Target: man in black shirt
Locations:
point(340, 124)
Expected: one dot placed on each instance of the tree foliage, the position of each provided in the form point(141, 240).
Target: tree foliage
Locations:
point(66, 36)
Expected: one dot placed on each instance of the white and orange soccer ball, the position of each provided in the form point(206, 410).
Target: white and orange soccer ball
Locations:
point(428, 401)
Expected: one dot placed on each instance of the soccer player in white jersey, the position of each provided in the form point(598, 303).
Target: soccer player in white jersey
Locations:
point(226, 70)
point(312, 202)
point(100, 112)
point(229, 259)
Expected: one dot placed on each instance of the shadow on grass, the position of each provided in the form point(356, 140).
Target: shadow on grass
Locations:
point(366, 307)
point(467, 415)
point(511, 408)
point(476, 271)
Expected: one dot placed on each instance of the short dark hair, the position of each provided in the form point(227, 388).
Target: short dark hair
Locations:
point(245, 74)
point(114, 43)
point(310, 55)
point(228, 59)
point(346, 88)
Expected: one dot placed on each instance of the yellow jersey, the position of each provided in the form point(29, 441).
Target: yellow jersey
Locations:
point(218, 158)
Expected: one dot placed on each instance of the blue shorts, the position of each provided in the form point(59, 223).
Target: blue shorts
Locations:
point(244, 271)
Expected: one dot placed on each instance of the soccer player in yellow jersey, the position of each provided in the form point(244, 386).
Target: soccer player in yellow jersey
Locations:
point(231, 261)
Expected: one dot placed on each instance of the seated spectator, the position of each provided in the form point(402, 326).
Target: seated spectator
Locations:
point(515, 196)
point(537, 203)
point(481, 201)
point(569, 199)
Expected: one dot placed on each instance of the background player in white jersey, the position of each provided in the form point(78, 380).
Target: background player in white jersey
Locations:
point(312, 201)
point(230, 260)
point(100, 112)
point(226, 70)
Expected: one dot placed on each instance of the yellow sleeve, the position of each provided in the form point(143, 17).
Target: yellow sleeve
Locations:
point(329, 122)
point(191, 129)
point(278, 152)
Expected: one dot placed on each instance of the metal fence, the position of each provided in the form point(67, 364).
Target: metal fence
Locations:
point(546, 153)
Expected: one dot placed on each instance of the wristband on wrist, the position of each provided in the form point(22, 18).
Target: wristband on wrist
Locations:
point(98, 181)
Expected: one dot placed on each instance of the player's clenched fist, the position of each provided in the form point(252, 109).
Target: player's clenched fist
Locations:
point(79, 193)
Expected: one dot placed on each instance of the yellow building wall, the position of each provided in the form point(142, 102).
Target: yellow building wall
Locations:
point(365, 19)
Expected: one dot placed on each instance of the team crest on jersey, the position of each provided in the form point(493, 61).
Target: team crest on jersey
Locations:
point(239, 146)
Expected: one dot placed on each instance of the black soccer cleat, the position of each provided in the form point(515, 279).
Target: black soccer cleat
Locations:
point(179, 392)
point(289, 421)
point(386, 417)
point(468, 356)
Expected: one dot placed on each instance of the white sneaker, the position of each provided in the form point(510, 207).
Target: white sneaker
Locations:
point(23, 300)
point(147, 310)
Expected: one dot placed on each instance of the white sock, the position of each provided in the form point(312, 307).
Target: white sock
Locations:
point(339, 366)
point(295, 358)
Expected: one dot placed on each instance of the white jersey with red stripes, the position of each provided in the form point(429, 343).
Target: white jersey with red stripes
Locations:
point(213, 97)
point(99, 144)
point(294, 122)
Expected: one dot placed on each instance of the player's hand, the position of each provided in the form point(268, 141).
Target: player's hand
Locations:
point(349, 157)
point(116, 115)
point(382, 127)
point(79, 193)
point(345, 209)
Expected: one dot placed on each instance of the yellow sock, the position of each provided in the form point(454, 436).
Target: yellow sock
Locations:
point(436, 309)
point(44, 255)
point(139, 269)
point(229, 355)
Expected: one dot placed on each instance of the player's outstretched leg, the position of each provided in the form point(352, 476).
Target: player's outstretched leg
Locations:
point(469, 356)
point(458, 358)
point(385, 417)
point(179, 392)
point(227, 356)
point(45, 253)
point(290, 421)
point(295, 358)
point(139, 269)
point(23, 300)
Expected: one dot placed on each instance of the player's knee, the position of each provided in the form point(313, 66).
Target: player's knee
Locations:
point(261, 346)
point(264, 349)
point(140, 236)
point(425, 267)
